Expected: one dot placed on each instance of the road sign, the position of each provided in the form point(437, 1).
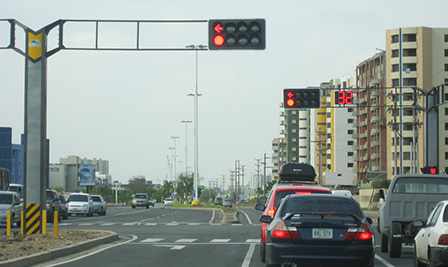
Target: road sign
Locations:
point(237, 34)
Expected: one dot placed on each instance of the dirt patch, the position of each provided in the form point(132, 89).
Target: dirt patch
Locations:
point(16, 245)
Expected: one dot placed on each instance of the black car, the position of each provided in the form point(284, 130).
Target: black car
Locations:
point(64, 211)
point(319, 229)
point(53, 204)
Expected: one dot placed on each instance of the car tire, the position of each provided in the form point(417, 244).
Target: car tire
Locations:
point(384, 243)
point(104, 212)
point(133, 207)
point(51, 217)
point(263, 252)
point(395, 243)
point(417, 262)
point(147, 207)
point(66, 215)
point(101, 212)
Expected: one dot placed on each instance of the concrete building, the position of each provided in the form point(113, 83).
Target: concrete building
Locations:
point(370, 133)
point(278, 155)
point(414, 57)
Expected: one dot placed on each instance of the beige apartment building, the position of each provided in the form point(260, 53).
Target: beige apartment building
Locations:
point(415, 57)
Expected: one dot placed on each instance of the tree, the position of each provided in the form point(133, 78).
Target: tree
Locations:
point(167, 189)
point(185, 187)
point(207, 194)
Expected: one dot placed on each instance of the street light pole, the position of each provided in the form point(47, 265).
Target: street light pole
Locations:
point(196, 95)
point(186, 146)
point(175, 157)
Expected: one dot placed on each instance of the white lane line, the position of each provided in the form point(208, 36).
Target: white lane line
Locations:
point(172, 224)
point(383, 261)
point(134, 237)
point(177, 247)
point(253, 241)
point(132, 223)
point(250, 252)
point(220, 241)
point(185, 240)
point(151, 224)
point(194, 224)
point(213, 216)
point(106, 224)
point(247, 217)
point(151, 240)
point(86, 224)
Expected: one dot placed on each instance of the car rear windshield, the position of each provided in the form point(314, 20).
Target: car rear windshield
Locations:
point(80, 198)
point(282, 194)
point(96, 199)
point(421, 186)
point(5, 199)
point(327, 205)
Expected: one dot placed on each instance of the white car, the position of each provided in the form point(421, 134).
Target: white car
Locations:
point(80, 204)
point(431, 242)
point(168, 202)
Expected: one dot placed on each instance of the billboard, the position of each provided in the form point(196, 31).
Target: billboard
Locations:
point(87, 174)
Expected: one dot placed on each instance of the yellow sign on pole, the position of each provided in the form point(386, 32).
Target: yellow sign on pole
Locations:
point(35, 46)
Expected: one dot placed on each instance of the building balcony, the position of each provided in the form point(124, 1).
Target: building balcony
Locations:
point(282, 114)
point(375, 168)
point(374, 144)
point(375, 156)
point(375, 119)
point(283, 122)
point(374, 131)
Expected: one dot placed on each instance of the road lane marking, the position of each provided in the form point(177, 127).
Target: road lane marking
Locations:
point(151, 224)
point(220, 240)
point(177, 247)
point(250, 252)
point(252, 240)
point(132, 223)
point(247, 216)
point(86, 224)
point(383, 261)
point(185, 240)
point(172, 224)
point(105, 224)
point(194, 224)
point(151, 240)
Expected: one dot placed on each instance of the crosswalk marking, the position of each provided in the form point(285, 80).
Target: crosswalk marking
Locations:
point(177, 247)
point(152, 240)
point(107, 224)
point(185, 240)
point(172, 224)
point(86, 224)
point(132, 223)
point(220, 241)
point(252, 240)
point(194, 224)
point(151, 224)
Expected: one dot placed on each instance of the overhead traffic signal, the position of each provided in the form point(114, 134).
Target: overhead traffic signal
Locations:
point(430, 170)
point(301, 98)
point(236, 34)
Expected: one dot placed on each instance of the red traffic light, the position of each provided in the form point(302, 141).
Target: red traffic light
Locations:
point(432, 170)
point(290, 102)
point(218, 40)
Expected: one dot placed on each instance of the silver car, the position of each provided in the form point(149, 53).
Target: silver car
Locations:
point(80, 204)
point(10, 201)
point(99, 205)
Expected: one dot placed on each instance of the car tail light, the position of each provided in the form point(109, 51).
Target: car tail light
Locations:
point(361, 233)
point(303, 193)
point(282, 231)
point(443, 240)
point(272, 211)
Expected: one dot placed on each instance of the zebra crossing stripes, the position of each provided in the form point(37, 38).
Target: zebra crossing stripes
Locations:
point(194, 240)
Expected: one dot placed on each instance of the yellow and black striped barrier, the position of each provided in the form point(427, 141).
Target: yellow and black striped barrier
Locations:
point(32, 218)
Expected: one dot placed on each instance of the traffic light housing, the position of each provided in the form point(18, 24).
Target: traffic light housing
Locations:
point(430, 170)
point(236, 34)
point(301, 98)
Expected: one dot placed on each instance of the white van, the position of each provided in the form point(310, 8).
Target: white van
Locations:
point(18, 188)
point(346, 193)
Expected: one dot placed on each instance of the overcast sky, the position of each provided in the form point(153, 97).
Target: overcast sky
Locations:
point(124, 107)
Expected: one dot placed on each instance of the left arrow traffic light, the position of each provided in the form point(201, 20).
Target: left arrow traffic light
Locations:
point(301, 98)
point(236, 34)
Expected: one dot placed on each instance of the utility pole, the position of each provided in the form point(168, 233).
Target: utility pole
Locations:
point(258, 177)
point(223, 182)
point(320, 133)
point(242, 177)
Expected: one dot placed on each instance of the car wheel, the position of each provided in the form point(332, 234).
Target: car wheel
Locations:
point(147, 207)
point(51, 217)
point(133, 207)
point(263, 252)
point(104, 212)
point(66, 215)
point(417, 262)
point(395, 243)
point(383, 243)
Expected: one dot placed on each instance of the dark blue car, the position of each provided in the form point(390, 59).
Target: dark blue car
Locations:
point(319, 229)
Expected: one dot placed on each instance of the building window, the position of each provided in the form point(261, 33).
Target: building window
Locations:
point(410, 37)
point(396, 39)
point(350, 132)
point(446, 140)
point(446, 110)
point(395, 68)
point(446, 155)
point(410, 52)
point(411, 81)
point(446, 52)
point(446, 38)
point(411, 66)
point(395, 53)
point(350, 154)
point(350, 121)
point(446, 126)
point(395, 82)
point(350, 165)
point(349, 143)
point(446, 67)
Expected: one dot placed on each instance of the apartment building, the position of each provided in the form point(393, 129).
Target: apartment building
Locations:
point(418, 57)
point(278, 157)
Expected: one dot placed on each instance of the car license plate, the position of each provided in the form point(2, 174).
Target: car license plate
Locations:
point(321, 233)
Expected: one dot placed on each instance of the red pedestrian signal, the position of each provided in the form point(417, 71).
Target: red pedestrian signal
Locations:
point(236, 34)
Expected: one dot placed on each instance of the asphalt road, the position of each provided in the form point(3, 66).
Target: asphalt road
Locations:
point(179, 237)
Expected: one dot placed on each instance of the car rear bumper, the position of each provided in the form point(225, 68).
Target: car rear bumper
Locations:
point(440, 256)
point(310, 254)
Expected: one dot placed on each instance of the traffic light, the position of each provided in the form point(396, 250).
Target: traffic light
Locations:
point(430, 170)
point(236, 34)
point(301, 98)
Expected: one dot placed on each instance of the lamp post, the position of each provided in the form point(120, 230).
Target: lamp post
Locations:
point(186, 146)
point(196, 95)
point(171, 163)
point(175, 157)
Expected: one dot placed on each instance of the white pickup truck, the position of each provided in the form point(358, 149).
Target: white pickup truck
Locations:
point(409, 198)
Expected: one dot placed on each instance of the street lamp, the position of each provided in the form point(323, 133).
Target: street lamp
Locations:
point(170, 163)
point(186, 146)
point(175, 156)
point(196, 94)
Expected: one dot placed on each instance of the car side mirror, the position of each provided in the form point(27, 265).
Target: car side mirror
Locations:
point(419, 223)
point(260, 207)
point(266, 219)
point(369, 220)
point(262, 200)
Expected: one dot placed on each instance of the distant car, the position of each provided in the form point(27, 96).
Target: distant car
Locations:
point(140, 200)
point(345, 193)
point(319, 229)
point(99, 205)
point(227, 203)
point(53, 203)
point(80, 204)
point(168, 202)
point(152, 202)
point(218, 201)
point(10, 201)
point(64, 212)
point(431, 242)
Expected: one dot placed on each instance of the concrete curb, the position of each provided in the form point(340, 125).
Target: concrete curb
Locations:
point(59, 252)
